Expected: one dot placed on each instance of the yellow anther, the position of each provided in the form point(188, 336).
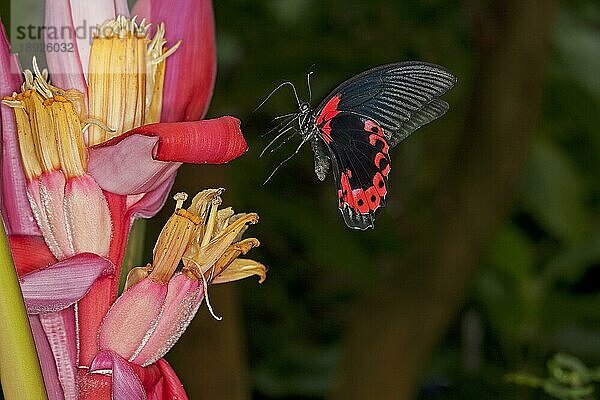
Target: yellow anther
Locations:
point(126, 77)
point(191, 216)
point(173, 241)
point(48, 128)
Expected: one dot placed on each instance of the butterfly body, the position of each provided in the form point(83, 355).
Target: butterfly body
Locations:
point(353, 129)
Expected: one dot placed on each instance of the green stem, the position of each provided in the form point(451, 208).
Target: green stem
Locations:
point(20, 371)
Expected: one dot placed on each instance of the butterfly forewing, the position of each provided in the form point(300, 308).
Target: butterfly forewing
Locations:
point(398, 96)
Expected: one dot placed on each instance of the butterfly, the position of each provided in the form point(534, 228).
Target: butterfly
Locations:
point(355, 126)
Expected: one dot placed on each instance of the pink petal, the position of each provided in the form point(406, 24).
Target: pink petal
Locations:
point(191, 70)
point(94, 386)
point(138, 160)
point(15, 207)
point(181, 304)
point(11, 79)
point(158, 391)
point(65, 67)
point(92, 309)
point(150, 376)
point(49, 370)
point(121, 8)
point(88, 216)
point(30, 253)
point(62, 284)
point(127, 166)
point(125, 383)
point(148, 204)
point(142, 9)
point(61, 333)
point(132, 318)
point(160, 381)
point(46, 197)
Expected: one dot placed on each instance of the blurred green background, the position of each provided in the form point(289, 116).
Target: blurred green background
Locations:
point(486, 259)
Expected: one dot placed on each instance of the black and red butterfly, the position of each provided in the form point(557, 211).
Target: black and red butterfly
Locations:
point(358, 123)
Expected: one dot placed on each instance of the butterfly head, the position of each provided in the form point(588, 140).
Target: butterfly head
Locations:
point(303, 107)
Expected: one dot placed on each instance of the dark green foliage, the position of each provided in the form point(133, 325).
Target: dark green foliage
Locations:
point(538, 289)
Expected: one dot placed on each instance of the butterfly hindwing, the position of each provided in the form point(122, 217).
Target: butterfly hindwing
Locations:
point(361, 165)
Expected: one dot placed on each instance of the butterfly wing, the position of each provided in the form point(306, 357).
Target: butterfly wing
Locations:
point(367, 115)
point(361, 165)
point(401, 97)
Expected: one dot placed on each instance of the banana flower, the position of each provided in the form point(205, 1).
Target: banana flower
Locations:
point(84, 154)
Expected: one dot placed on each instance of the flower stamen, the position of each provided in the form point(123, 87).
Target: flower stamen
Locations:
point(127, 67)
point(180, 198)
point(172, 243)
point(48, 127)
point(206, 297)
point(93, 121)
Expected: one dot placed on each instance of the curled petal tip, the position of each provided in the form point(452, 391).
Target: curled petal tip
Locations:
point(242, 268)
point(213, 141)
point(143, 158)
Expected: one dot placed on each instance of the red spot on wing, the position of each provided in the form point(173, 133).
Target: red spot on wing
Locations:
point(373, 198)
point(376, 135)
point(374, 139)
point(356, 199)
point(378, 158)
point(379, 184)
point(383, 163)
point(326, 129)
point(329, 111)
point(386, 170)
point(324, 119)
point(372, 127)
point(363, 201)
point(362, 204)
point(345, 194)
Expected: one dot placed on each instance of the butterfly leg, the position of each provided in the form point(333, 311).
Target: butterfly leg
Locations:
point(287, 159)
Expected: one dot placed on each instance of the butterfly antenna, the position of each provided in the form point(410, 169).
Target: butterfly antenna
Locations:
point(286, 160)
point(308, 84)
point(275, 90)
point(262, 153)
